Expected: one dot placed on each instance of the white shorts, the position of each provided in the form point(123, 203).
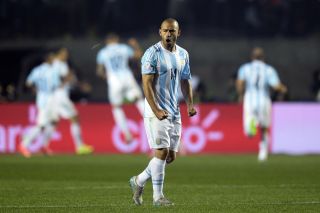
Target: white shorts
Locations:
point(63, 105)
point(121, 88)
point(163, 134)
point(259, 115)
point(47, 114)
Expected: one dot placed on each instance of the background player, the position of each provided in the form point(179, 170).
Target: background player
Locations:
point(44, 81)
point(113, 65)
point(165, 67)
point(253, 84)
point(64, 106)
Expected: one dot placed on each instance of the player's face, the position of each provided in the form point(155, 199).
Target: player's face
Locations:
point(169, 33)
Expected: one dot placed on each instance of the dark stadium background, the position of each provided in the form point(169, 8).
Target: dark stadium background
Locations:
point(218, 170)
point(218, 34)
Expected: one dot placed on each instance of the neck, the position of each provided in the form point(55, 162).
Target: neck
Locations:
point(170, 48)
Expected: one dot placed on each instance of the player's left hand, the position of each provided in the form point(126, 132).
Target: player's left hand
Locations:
point(192, 111)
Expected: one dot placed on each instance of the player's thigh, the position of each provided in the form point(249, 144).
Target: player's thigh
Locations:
point(42, 118)
point(115, 93)
point(249, 116)
point(66, 108)
point(157, 132)
point(133, 91)
point(175, 135)
point(47, 114)
point(265, 115)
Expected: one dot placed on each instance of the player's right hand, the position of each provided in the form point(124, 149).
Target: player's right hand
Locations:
point(161, 114)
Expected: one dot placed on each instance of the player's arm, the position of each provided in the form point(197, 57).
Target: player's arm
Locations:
point(240, 85)
point(100, 71)
point(147, 84)
point(186, 89)
point(136, 48)
point(30, 85)
point(281, 88)
point(68, 77)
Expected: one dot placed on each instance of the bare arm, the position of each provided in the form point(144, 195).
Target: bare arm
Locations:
point(240, 84)
point(31, 86)
point(136, 47)
point(147, 84)
point(186, 89)
point(281, 88)
point(101, 72)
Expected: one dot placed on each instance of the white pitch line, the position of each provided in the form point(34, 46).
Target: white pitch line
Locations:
point(53, 206)
point(282, 203)
point(247, 186)
point(199, 186)
point(189, 204)
point(68, 188)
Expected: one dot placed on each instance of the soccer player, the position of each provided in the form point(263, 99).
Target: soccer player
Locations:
point(165, 67)
point(253, 84)
point(113, 65)
point(44, 81)
point(64, 106)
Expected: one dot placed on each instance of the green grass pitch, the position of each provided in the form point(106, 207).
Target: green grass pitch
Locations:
point(209, 183)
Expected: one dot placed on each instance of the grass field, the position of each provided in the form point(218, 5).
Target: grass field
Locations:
point(217, 183)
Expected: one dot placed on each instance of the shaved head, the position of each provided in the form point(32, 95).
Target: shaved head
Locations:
point(257, 54)
point(169, 32)
point(171, 21)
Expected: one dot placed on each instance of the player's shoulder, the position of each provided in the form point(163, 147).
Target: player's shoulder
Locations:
point(124, 45)
point(41, 67)
point(245, 65)
point(103, 49)
point(182, 51)
point(57, 63)
point(152, 50)
point(270, 67)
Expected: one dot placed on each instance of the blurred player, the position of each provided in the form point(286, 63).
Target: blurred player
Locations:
point(165, 67)
point(44, 81)
point(64, 106)
point(113, 65)
point(253, 83)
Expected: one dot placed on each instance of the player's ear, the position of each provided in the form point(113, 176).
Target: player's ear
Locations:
point(179, 32)
point(160, 32)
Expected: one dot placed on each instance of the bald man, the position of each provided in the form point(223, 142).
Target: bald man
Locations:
point(165, 68)
point(253, 84)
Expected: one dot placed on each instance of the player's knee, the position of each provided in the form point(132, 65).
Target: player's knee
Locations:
point(171, 157)
point(162, 153)
point(75, 119)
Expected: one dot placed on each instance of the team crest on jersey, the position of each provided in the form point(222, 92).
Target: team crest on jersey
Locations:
point(182, 62)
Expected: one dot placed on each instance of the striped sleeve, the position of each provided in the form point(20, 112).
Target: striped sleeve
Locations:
point(273, 78)
point(32, 77)
point(186, 74)
point(149, 61)
point(241, 72)
point(100, 58)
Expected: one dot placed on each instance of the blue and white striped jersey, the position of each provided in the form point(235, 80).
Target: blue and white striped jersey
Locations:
point(62, 69)
point(170, 68)
point(258, 77)
point(115, 58)
point(45, 80)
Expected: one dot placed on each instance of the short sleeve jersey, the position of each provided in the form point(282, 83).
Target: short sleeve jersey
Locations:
point(115, 58)
point(169, 69)
point(45, 80)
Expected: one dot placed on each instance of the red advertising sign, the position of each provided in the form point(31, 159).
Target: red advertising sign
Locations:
point(215, 129)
